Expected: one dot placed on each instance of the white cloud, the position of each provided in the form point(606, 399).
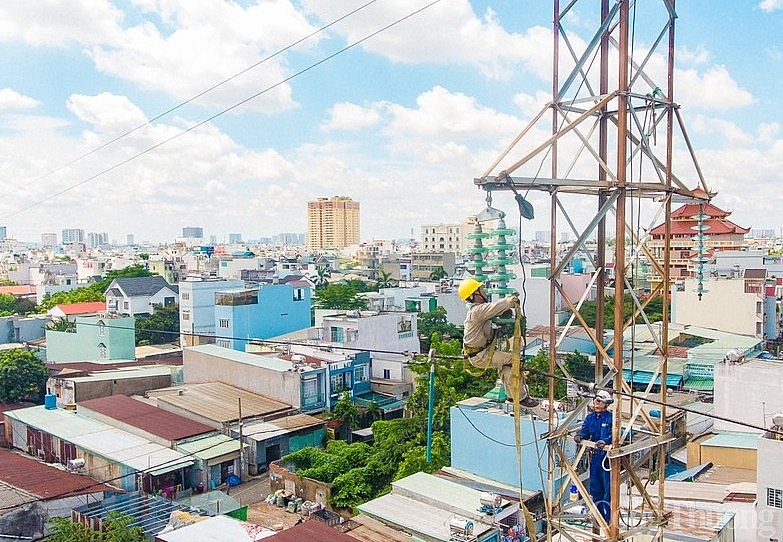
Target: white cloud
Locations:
point(348, 116)
point(770, 5)
point(447, 32)
point(713, 89)
point(59, 24)
point(10, 99)
point(768, 131)
point(107, 112)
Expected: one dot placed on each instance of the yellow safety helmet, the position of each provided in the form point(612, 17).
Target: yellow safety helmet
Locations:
point(467, 287)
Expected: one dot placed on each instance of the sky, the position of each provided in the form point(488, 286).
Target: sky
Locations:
point(146, 116)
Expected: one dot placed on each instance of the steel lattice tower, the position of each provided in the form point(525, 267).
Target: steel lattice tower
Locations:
point(617, 139)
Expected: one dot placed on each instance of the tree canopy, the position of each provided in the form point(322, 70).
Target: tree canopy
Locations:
point(339, 296)
point(162, 326)
point(654, 310)
point(22, 376)
point(94, 291)
point(116, 528)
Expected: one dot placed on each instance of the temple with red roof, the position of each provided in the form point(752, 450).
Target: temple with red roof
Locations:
point(720, 234)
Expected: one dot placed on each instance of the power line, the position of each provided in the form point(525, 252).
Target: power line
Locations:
point(216, 115)
point(200, 94)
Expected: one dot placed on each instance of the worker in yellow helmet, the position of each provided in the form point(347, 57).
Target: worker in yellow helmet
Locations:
point(479, 334)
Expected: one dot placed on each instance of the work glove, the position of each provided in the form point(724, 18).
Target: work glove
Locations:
point(599, 445)
point(577, 438)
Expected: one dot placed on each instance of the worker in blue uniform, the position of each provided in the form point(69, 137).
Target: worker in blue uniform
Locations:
point(597, 427)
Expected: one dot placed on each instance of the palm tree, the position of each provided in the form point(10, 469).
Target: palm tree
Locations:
point(321, 281)
point(372, 412)
point(385, 280)
point(438, 273)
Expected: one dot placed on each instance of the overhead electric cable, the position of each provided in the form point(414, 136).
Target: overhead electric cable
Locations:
point(219, 114)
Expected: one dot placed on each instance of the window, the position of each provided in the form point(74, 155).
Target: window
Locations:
point(387, 374)
point(103, 352)
point(223, 322)
point(185, 296)
point(337, 334)
point(340, 382)
point(223, 343)
point(125, 304)
point(186, 315)
point(774, 497)
point(310, 392)
point(101, 328)
point(360, 373)
point(298, 294)
point(168, 301)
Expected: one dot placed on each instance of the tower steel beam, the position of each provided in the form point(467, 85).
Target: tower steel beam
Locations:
point(603, 143)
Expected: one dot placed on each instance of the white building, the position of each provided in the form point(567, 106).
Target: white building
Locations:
point(197, 307)
point(748, 392)
point(769, 484)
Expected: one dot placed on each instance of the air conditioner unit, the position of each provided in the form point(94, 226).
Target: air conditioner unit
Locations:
point(75, 464)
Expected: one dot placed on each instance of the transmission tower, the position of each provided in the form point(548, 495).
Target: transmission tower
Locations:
point(612, 136)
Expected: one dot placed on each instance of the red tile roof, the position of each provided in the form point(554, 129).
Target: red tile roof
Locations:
point(685, 227)
point(18, 290)
point(88, 307)
point(151, 419)
point(42, 480)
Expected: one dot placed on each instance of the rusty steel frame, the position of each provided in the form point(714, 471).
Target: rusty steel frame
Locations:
point(589, 120)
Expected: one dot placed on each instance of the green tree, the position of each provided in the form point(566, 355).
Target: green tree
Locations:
point(322, 279)
point(161, 327)
point(116, 528)
point(653, 310)
point(438, 273)
point(62, 324)
point(537, 382)
point(22, 376)
point(339, 296)
point(93, 292)
point(385, 280)
point(436, 321)
point(580, 366)
point(7, 304)
point(345, 411)
point(372, 412)
point(415, 458)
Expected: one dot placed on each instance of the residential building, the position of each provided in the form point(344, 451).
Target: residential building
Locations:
point(71, 310)
point(32, 492)
point(687, 222)
point(769, 499)
point(332, 223)
point(3, 233)
point(217, 455)
point(72, 235)
point(423, 264)
point(193, 232)
point(234, 238)
point(302, 387)
point(48, 240)
point(95, 338)
point(173, 270)
point(129, 240)
point(95, 240)
point(447, 237)
point(109, 454)
point(19, 329)
point(260, 313)
point(72, 385)
point(745, 305)
point(197, 308)
point(270, 440)
point(136, 296)
point(753, 383)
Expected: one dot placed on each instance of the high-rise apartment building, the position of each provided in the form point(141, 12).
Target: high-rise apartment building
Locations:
point(72, 235)
point(234, 238)
point(3, 233)
point(129, 240)
point(332, 223)
point(193, 232)
point(95, 240)
point(48, 239)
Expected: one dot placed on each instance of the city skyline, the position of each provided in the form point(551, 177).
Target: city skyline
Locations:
point(398, 105)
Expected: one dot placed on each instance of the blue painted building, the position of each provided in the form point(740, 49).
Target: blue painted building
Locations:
point(260, 313)
point(483, 443)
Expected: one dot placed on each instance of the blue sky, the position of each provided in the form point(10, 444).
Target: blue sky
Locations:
point(401, 122)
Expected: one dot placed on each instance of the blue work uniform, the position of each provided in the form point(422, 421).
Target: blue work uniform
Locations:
point(598, 426)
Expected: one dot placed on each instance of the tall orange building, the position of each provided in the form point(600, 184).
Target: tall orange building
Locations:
point(332, 223)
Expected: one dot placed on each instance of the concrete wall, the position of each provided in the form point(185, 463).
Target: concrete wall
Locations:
point(201, 367)
point(117, 335)
point(770, 475)
point(747, 392)
point(726, 307)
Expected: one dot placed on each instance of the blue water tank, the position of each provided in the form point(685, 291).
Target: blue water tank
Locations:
point(50, 401)
point(579, 267)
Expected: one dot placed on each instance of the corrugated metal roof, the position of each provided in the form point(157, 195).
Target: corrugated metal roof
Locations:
point(747, 441)
point(311, 530)
point(217, 402)
point(211, 447)
point(101, 439)
point(415, 516)
point(280, 426)
point(271, 362)
point(699, 384)
point(125, 373)
point(215, 529)
point(42, 481)
point(146, 417)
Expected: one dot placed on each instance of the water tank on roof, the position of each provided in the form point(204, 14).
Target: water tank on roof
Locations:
point(461, 526)
point(50, 401)
point(298, 358)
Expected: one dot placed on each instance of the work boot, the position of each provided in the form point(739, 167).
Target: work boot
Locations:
point(529, 402)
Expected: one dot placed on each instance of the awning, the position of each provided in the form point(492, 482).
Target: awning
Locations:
point(644, 377)
point(698, 383)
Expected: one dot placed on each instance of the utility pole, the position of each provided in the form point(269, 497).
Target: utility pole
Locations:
point(612, 137)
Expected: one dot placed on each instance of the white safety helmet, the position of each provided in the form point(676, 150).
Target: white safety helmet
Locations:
point(604, 397)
